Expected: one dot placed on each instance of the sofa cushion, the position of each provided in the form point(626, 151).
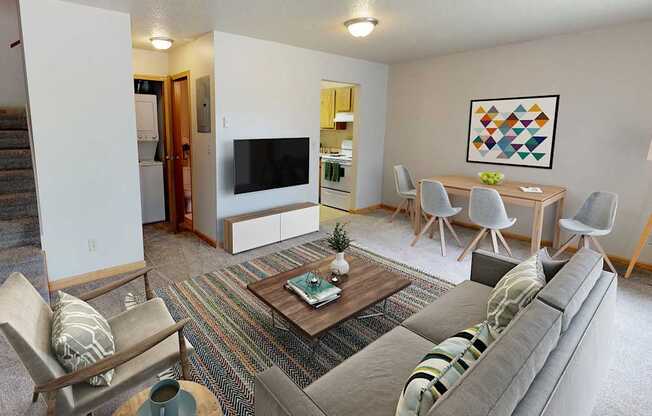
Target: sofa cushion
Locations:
point(368, 383)
point(460, 308)
point(572, 284)
point(502, 376)
point(514, 292)
point(81, 336)
point(441, 368)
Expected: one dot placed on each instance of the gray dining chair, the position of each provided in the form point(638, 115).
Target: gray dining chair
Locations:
point(435, 202)
point(487, 210)
point(405, 189)
point(595, 218)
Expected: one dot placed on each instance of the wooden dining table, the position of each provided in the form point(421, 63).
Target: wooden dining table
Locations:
point(511, 194)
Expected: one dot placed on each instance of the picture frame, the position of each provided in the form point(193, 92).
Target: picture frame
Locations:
point(513, 131)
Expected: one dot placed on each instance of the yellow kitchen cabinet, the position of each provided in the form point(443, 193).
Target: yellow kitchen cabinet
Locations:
point(327, 109)
point(343, 100)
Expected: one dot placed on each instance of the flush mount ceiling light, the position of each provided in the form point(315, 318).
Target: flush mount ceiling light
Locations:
point(361, 26)
point(161, 43)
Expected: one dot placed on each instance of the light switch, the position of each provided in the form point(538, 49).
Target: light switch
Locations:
point(225, 122)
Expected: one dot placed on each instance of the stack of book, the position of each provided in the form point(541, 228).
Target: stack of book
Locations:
point(315, 295)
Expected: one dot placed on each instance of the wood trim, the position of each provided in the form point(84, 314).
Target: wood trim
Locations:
point(184, 74)
point(620, 260)
point(207, 239)
point(95, 275)
point(366, 210)
point(148, 77)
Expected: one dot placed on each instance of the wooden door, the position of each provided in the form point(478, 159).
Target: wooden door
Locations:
point(343, 100)
point(327, 109)
point(181, 133)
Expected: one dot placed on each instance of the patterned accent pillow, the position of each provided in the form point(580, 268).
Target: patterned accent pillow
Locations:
point(439, 370)
point(81, 337)
point(513, 292)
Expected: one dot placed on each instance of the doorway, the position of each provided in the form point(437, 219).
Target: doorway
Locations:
point(181, 154)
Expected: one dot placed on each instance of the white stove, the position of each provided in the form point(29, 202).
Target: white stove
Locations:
point(337, 194)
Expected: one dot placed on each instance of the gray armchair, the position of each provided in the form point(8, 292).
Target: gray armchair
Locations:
point(144, 336)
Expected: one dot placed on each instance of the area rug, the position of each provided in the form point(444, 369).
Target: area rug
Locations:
point(234, 337)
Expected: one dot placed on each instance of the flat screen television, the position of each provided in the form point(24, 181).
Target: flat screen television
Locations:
point(270, 163)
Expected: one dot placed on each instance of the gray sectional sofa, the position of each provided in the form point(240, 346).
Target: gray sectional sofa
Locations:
point(549, 361)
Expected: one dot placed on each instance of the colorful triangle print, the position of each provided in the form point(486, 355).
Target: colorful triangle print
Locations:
point(498, 123)
point(493, 110)
point(520, 109)
point(533, 130)
point(517, 130)
point(477, 142)
point(526, 123)
point(538, 156)
point(523, 155)
point(491, 130)
point(534, 142)
point(480, 110)
point(535, 109)
point(483, 152)
point(541, 119)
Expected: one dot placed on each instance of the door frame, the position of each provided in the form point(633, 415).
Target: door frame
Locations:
point(173, 78)
point(167, 148)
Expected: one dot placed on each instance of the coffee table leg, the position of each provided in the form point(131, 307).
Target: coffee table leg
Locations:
point(274, 323)
point(372, 315)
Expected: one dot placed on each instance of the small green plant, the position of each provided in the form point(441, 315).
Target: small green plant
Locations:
point(339, 239)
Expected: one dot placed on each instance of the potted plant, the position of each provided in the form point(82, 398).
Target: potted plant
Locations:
point(339, 241)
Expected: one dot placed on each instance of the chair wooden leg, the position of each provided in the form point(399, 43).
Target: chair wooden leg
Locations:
point(472, 244)
point(587, 241)
point(35, 396)
point(494, 241)
point(149, 294)
point(566, 245)
point(398, 209)
point(423, 231)
point(432, 230)
point(51, 401)
point(183, 356)
point(601, 250)
point(442, 237)
point(504, 242)
point(452, 230)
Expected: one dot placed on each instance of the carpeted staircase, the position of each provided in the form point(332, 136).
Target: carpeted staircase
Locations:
point(20, 243)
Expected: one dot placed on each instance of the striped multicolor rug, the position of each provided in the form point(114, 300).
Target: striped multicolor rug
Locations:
point(234, 338)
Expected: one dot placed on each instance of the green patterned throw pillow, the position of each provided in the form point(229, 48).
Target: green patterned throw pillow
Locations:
point(513, 292)
point(440, 369)
point(81, 337)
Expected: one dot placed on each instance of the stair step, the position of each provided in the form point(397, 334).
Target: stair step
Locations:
point(14, 139)
point(13, 119)
point(18, 205)
point(17, 180)
point(15, 159)
point(29, 261)
point(20, 232)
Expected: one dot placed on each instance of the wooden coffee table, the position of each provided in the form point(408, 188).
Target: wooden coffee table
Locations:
point(207, 404)
point(365, 285)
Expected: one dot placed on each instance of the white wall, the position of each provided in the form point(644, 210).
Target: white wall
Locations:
point(198, 58)
point(603, 129)
point(150, 62)
point(12, 79)
point(267, 89)
point(79, 72)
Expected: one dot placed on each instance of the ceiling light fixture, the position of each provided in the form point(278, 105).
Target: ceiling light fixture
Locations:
point(161, 43)
point(361, 26)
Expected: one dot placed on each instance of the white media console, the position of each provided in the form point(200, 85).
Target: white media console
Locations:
point(247, 231)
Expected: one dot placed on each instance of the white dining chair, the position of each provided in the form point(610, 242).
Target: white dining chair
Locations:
point(406, 190)
point(486, 209)
point(595, 218)
point(435, 202)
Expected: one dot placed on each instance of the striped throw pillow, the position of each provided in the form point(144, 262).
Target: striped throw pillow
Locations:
point(513, 292)
point(81, 337)
point(440, 369)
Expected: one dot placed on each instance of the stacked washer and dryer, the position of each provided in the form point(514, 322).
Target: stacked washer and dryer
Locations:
point(152, 191)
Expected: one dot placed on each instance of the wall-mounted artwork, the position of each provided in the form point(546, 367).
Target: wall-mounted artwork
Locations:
point(516, 131)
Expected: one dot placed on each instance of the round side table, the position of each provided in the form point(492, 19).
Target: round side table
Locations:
point(207, 404)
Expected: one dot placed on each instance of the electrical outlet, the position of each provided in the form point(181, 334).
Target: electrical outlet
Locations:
point(92, 245)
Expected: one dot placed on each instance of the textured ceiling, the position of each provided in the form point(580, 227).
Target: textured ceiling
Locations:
point(408, 29)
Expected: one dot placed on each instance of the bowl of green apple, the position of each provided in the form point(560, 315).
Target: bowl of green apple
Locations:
point(491, 178)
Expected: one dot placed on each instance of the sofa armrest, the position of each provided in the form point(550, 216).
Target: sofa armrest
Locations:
point(276, 395)
point(488, 268)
